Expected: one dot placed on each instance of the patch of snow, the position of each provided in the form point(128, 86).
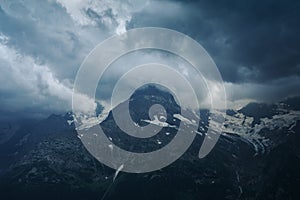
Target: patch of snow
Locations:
point(157, 122)
point(118, 171)
point(183, 119)
point(241, 125)
point(70, 122)
point(199, 133)
point(162, 118)
point(85, 122)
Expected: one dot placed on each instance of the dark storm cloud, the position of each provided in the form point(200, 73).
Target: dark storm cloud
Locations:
point(251, 41)
point(255, 44)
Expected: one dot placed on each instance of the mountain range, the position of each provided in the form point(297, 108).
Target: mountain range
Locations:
point(256, 157)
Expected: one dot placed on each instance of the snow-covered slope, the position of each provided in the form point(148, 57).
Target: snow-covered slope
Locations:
point(264, 134)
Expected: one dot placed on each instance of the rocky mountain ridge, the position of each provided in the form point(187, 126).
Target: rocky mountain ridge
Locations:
point(256, 157)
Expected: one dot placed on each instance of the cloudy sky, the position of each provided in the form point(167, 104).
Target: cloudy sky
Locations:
point(255, 44)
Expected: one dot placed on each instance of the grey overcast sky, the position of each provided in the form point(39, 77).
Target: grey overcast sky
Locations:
point(255, 44)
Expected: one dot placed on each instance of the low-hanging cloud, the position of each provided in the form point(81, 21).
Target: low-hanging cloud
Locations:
point(25, 84)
